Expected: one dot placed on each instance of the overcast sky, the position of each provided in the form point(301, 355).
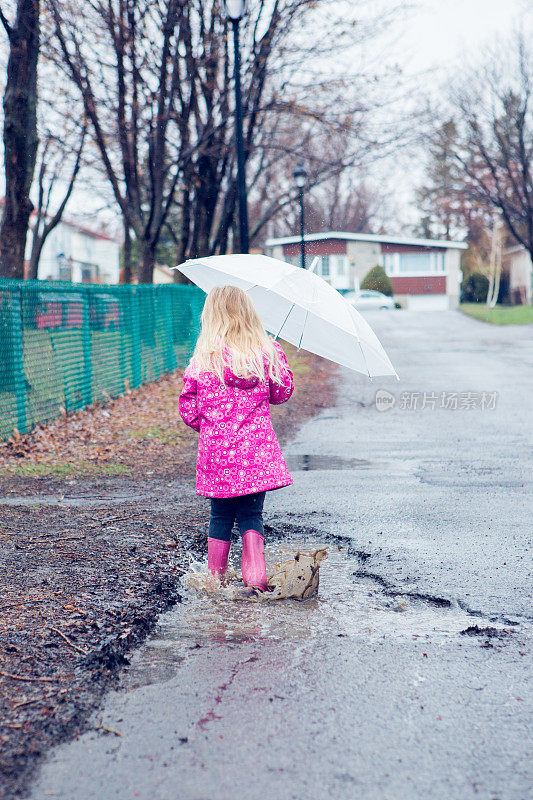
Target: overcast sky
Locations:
point(442, 32)
point(435, 39)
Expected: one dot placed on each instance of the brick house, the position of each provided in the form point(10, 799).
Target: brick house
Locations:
point(425, 273)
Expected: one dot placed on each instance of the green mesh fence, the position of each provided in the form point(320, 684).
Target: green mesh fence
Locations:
point(67, 345)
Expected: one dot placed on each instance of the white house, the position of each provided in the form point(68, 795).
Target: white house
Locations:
point(517, 263)
point(425, 273)
point(163, 274)
point(73, 252)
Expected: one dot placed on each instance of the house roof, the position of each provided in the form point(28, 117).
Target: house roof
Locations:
point(368, 237)
point(95, 234)
point(90, 232)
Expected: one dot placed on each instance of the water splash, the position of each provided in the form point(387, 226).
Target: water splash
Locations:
point(295, 578)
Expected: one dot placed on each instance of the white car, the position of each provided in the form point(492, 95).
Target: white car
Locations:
point(368, 300)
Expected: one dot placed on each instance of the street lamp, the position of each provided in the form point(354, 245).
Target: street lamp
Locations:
point(300, 179)
point(235, 10)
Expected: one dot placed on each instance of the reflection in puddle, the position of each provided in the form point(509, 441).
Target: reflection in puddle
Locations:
point(306, 462)
point(346, 606)
point(74, 502)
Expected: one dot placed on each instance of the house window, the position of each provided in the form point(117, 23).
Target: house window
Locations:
point(294, 260)
point(64, 272)
point(327, 266)
point(438, 262)
point(89, 273)
point(414, 263)
point(340, 264)
point(389, 263)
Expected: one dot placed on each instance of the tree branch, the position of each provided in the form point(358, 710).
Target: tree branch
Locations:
point(7, 27)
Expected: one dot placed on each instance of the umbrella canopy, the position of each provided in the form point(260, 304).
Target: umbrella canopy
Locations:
point(297, 306)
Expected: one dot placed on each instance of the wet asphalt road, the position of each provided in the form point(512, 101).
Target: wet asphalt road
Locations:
point(370, 692)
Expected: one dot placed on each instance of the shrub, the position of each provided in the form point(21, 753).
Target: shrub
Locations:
point(377, 280)
point(474, 289)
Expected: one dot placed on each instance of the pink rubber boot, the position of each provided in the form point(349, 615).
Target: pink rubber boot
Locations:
point(253, 560)
point(217, 556)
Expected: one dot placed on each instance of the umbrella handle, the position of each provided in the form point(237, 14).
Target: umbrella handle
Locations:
point(314, 264)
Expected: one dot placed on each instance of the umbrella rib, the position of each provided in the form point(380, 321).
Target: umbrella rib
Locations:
point(364, 359)
point(284, 321)
point(303, 328)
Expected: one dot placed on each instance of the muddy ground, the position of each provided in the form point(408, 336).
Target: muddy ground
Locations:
point(94, 535)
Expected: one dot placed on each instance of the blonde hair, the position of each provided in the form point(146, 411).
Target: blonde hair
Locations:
point(233, 335)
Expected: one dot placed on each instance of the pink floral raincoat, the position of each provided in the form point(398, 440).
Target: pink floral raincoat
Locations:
point(238, 452)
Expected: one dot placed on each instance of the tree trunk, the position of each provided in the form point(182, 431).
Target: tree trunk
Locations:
point(126, 273)
point(36, 249)
point(146, 267)
point(179, 277)
point(20, 135)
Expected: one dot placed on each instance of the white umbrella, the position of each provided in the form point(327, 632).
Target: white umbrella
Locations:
point(298, 306)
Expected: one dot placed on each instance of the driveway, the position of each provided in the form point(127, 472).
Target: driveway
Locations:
point(406, 679)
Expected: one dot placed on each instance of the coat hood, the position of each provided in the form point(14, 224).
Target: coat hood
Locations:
point(230, 379)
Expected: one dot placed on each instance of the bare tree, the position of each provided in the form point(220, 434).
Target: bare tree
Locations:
point(209, 186)
point(124, 59)
point(54, 153)
point(294, 109)
point(155, 82)
point(20, 133)
point(494, 146)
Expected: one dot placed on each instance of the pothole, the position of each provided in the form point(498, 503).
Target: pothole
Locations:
point(350, 604)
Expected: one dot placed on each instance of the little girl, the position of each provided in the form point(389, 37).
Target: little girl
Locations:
point(235, 372)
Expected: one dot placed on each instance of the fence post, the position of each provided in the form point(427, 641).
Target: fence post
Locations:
point(169, 295)
point(135, 325)
point(86, 346)
point(122, 297)
point(18, 360)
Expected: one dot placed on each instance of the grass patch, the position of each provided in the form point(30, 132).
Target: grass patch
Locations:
point(61, 469)
point(296, 362)
point(501, 315)
point(156, 433)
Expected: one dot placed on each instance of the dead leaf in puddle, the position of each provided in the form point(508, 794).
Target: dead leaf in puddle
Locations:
point(298, 577)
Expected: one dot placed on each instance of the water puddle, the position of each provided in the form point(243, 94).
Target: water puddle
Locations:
point(306, 462)
point(347, 605)
point(71, 502)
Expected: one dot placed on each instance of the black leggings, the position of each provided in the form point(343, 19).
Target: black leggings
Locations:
point(247, 510)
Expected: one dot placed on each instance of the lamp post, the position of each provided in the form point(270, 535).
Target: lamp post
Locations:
point(235, 10)
point(300, 178)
